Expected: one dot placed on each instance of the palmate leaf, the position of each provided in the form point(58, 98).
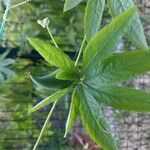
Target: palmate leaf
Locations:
point(54, 97)
point(69, 4)
point(123, 98)
point(119, 67)
point(100, 72)
point(94, 121)
point(106, 40)
point(135, 32)
point(73, 113)
point(52, 54)
point(93, 16)
point(50, 81)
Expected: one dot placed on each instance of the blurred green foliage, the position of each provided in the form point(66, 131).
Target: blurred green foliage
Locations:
point(5, 67)
point(19, 130)
point(66, 27)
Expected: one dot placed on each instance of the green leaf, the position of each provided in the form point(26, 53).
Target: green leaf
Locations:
point(93, 16)
point(7, 72)
point(135, 32)
point(7, 62)
point(50, 82)
point(73, 113)
point(106, 40)
point(123, 98)
point(54, 97)
point(52, 54)
point(65, 75)
point(94, 121)
point(69, 4)
point(119, 67)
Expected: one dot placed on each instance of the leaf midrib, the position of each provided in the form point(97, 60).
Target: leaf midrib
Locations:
point(110, 95)
point(98, 124)
point(114, 69)
point(124, 9)
point(95, 16)
point(103, 45)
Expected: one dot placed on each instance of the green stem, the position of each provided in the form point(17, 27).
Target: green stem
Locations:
point(19, 4)
point(54, 105)
point(80, 51)
point(49, 31)
point(44, 126)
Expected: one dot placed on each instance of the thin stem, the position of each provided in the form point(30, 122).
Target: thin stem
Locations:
point(54, 105)
point(49, 31)
point(80, 51)
point(19, 4)
point(44, 126)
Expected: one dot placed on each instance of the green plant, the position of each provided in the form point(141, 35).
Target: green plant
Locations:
point(5, 71)
point(92, 18)
point(94, 81)
point(24, 24)
point(19, 129)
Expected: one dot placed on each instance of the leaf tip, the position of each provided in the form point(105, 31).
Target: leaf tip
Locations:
point(65, 135)
point(31, 40)
point(34, 41)
point(65, 9)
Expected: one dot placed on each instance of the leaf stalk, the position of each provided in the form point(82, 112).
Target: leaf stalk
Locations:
point(55, 103)
point(44, 126)
point(20, 4)
point(49, 31)
point(80, 51)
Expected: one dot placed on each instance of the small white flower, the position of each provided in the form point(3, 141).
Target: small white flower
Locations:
point(44, 23)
